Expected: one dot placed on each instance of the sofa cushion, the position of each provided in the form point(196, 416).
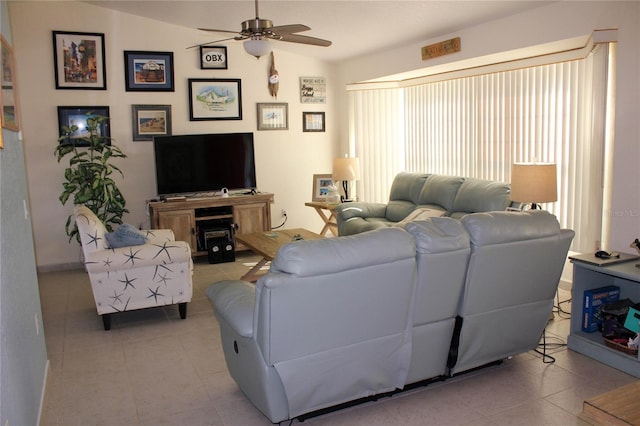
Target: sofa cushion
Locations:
point(479, 195)
point(407, 187)
point(440, 190)
point(505, 227)
point(421, 213)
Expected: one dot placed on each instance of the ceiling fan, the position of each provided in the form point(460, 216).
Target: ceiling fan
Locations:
point(256, 33)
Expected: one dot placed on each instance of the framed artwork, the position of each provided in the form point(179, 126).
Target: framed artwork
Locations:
point(77, 116)
point(151, 120)
point(321, 184)
point(313, 121)
point(148, 71)
point(9, 94)
point(215, 99)
point(213, 57)
point(79, 60)
point(313, 90)
point(273, 116)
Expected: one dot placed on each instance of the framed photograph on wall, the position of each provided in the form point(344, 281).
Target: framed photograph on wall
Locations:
point(273, 116)
point(213, 57)
point(321, 184)
point(313, 121)
point(9, 96)
point(215, 99)
point(148, 71)
point(151, 120)
point(79, 60)
point(70, 116)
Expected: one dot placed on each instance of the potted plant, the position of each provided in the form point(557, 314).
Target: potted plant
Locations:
point(88, 178)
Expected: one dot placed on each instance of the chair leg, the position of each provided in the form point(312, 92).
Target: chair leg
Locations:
point(182, 308)
point(106, 321)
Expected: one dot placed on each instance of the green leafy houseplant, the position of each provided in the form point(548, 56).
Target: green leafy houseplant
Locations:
point(88, 178)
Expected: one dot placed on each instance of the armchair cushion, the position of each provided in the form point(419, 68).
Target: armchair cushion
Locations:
point(125, 235)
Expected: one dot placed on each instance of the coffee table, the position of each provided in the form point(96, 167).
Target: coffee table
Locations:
point(266, 244)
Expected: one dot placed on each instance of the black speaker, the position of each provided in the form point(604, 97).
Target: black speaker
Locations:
point(229, 251)
point(215, 249)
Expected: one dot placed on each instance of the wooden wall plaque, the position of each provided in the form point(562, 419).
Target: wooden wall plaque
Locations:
point(440, 49)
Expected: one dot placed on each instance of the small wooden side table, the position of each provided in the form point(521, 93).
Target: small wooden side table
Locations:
point(328, 214)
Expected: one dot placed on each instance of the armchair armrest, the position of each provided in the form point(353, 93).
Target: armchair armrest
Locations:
point(149, 254)
point(347, 211)
point(234, 302)
point(158, 236)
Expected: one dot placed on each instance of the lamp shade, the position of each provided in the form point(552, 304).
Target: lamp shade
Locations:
point(257, 47)
point(346, 168)
point(534, 182)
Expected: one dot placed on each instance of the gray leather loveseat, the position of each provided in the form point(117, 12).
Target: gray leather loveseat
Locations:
point(451, 196)
point(344, 318)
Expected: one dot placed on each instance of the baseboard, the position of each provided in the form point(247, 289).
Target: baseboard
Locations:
point(59, 267)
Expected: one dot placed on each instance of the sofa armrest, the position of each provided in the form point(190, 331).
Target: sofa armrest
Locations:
point(347, 211)
point(131, 257)
point(234, 303)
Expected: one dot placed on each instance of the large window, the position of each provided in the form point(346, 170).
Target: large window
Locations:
point(479, 125)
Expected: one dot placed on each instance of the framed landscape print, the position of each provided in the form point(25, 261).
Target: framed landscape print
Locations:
point(69, 116)
point(321, 184)
point(8, 97)
point(273, 116)
point(215, 99)
point(213, 57)
point(150, 121)
point(148, 71)
point(313, 121)
point(79, 60)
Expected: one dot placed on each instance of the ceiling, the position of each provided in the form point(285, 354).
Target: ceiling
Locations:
point(356, 28)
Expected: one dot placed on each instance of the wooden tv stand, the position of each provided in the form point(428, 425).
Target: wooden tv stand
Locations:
point(188, 217)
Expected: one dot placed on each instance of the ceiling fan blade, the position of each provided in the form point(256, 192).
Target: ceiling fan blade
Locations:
point(289, 29)
point(213, 30)
point(295, 38)
point(217, 41)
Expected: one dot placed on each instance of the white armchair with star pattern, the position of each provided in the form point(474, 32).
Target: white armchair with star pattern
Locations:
point(156, 273)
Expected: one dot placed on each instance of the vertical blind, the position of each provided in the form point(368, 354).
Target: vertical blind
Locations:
point(479, 125)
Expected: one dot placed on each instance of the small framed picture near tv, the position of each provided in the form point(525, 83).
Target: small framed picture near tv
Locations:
point(9, 94)
point(321, 184)
point(313, 121)
point(273, 116)
point(78, 60)
point(215, 99)
point(148, 71)
point(213, 57)
point(150, 121)
point(72, 123)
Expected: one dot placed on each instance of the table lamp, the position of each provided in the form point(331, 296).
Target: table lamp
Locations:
point(346, 169)
point(534, 183)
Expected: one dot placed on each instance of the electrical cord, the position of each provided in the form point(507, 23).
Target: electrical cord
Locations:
point(282, 224)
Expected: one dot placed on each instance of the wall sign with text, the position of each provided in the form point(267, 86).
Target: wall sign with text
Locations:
point(213, 57)
point(313, 90)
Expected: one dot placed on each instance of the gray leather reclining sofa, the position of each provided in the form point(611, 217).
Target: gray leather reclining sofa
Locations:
point(451, 196)
point(339, 319)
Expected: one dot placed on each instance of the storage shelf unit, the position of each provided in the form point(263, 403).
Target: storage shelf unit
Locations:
point(245, 213)
point(626, 276)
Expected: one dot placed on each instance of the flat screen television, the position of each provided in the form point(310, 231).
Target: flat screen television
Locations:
point(197, 164)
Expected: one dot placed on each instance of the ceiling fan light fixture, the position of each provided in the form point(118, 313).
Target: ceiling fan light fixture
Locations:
point(257, 47)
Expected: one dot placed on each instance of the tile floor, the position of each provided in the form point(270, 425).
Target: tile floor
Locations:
point(154, 369)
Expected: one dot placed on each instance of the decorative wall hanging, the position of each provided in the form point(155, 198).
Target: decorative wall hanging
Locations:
point(148, 71)
point(274, 78)
point(273, 116)
point(151, 120)
point(69, 116)
point(215, 99)
point(313, 90)
point(79, 60)
point(8, 99)
point(213, 57)
point(313, 121)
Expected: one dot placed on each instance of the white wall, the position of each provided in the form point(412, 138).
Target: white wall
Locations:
point(286, 160)
point(549, 23)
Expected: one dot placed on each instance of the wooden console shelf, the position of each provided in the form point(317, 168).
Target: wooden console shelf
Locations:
point(246, 213)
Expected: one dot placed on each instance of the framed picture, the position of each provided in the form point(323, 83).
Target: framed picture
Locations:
point(148, 71)
point(78, 60)
point(273, 116)
point(151, 120)
point(8, 98)
point(213, 57)
point(215, 99)
point(69, 116)
point(313, 90)
point(313, 121)
point(321, 184)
